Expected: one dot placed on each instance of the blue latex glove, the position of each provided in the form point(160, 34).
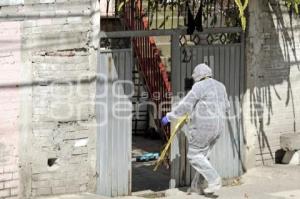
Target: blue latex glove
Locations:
point(165, 121)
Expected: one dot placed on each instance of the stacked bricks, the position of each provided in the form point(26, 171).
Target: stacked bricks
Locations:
point(63, 137)
point(9, 182)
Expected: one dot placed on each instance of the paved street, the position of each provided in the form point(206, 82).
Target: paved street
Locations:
point(276, 182)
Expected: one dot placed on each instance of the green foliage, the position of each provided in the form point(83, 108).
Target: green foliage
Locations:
point(293, 4)
point(232, 16)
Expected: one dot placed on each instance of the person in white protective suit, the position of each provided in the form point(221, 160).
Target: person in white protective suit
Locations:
point(207, 104)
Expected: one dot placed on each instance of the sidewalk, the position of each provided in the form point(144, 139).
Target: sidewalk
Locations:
point(276, 182)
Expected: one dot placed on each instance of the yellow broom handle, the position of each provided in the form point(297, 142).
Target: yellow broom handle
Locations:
point(179, 124)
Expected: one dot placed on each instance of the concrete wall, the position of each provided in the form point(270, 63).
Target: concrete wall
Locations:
point(10, 73)
point(273, 77)
point(55, 121)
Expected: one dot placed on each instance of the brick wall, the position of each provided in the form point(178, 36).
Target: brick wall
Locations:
point(10, 63)
point(273, 76)
point(57, 136)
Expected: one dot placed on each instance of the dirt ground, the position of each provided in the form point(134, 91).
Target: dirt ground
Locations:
point(143, 176)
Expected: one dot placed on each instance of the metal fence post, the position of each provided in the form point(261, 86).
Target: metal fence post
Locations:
point(175, 83)
point(175, 63)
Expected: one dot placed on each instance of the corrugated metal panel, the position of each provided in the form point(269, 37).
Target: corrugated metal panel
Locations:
point(114, 110)
point(226, 156)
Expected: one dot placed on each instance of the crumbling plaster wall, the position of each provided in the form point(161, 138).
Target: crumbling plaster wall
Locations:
point(273, 79)
point(57, 130)
point(10, 62)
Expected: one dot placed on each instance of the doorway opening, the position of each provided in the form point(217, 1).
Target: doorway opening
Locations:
point(147, 141)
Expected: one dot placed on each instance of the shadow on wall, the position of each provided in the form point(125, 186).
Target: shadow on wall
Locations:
point(272, 53)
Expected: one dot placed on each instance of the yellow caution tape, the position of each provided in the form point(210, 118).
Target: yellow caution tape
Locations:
point(121, 5)
point(242, 8)
point(179, 124)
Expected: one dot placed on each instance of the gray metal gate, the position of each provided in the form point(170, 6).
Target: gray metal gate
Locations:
point(219, 43)
point(227, 62)
point(226, 58)
point(114, 109)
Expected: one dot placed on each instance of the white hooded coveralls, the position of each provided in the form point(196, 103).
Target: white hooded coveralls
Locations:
point(207, 104)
